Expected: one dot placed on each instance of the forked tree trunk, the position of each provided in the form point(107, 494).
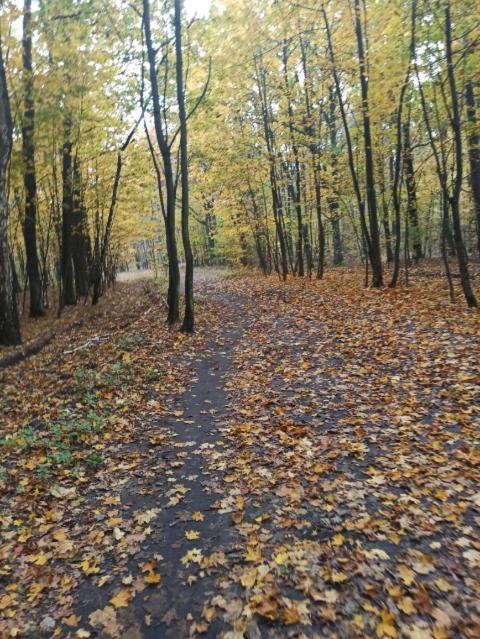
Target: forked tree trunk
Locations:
point(165, 151)
point(276, 197)
point(348, 140)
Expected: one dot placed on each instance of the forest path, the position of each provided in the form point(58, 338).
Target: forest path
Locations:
point(178, 485)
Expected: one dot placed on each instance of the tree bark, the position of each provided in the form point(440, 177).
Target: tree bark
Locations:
point(458, 175)
point(314, 153)
point(474, 154)
point(9, 324)
point(399, 150)
point(173, 269)
point(410, 182)
point(348, 139)
point(69, 297)
point(276, 198)
point(375, 251)
point(29, 174)
point(100, 261)
point(297, 195)
point(79, 235)
point(189, 316)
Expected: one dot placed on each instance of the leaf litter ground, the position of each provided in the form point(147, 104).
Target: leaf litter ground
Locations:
point(306, 465)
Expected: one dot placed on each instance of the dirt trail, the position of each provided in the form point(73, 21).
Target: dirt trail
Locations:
point(178, 471)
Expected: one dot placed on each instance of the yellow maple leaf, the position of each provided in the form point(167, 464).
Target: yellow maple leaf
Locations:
point(152, 578)
point(281, 558)
point(103, 580)
point(35, 591)
point(121, 599)
point(406, 574)
point(395, 592)
point(24, 535)
point(248, 578)
point(290, 616)
point(114, 521)
point(386, 628)
point(406, 605)
point(59, 535)
point(338, 540)
point(358, 621)
point(198, 516)
point(72, 620)
point(443, 585)
point(339, 577)
point(192, 534)
point(254, 555)
point(39, 559)
point(89, 569)
point(208, 614)
point(194, 555)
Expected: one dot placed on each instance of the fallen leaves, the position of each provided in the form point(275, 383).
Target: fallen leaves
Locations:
point(89, 567)
point(346, 484)
point(122, 598)
point(197, 516)
point(106, 618)
point(192, 534)
point(69, 452)
point(386, 627)
point(192, 556)
point(341, 455)
point(152, 577)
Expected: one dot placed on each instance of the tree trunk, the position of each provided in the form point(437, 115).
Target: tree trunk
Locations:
point(457, 182)
point(257, 231)
point(386, 214)
point(348, 139)
point(79, 235)
point(337, 246)
point(171, 240)
point(297, 195)
point(333, 199)
point(188, 319)
point(9, 324)
point(320, 227)
point(101, 252)
point(276, 198)
point(474, 154)
point(397, 167)
point(375, 252)
point(29, 174)
point(412, 208)
point(69, 297)
point(315, 156)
